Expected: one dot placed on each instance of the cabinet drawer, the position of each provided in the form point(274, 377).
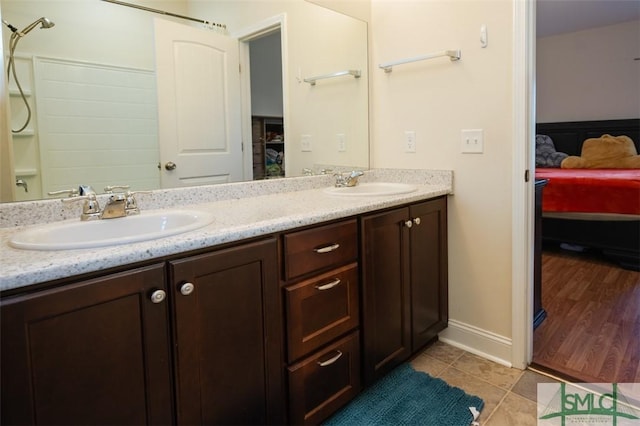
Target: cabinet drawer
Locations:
point(321, 309)
point(324, 382)
point(319, 248)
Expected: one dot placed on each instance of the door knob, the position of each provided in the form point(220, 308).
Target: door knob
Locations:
point(416, 221)
point(408, 224)
point(170, 165)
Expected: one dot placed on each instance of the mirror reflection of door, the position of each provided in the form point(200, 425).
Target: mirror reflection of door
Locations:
point(267, 125)
point(198, 86)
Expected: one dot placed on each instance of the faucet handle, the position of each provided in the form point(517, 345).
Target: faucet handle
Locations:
point(131, 206)
point(90, 209)
point(110, 188)
point(70, 192)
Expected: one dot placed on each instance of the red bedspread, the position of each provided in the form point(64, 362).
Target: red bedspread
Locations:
point(591, 190)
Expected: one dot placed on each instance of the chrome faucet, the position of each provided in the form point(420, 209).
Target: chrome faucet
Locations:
point(115, 207)
point(350, 179)
point(118, 205)
point(121, 204)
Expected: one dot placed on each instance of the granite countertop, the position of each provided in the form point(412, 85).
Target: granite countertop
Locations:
point(236, 217)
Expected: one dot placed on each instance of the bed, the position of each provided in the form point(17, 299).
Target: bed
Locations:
point(598, 209)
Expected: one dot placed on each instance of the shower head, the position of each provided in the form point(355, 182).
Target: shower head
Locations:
point(44, 24)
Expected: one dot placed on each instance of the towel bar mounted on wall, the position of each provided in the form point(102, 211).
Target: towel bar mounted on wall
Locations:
point(454, 55)
point(312, 80)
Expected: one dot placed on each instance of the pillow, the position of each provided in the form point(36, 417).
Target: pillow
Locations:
point(546, 154)
point(605, 152)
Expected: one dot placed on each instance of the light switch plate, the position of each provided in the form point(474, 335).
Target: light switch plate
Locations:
point(472, 141)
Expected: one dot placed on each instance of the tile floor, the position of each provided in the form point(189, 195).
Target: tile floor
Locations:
point(509, 394)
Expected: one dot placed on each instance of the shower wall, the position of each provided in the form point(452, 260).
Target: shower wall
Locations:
point(26, 154)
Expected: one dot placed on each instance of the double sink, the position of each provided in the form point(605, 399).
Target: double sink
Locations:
point(151, 225)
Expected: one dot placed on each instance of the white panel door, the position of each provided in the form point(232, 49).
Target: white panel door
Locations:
point(198, 106)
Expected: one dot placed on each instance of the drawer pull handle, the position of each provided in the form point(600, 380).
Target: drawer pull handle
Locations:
point(330, 360)
point(327, 249)
point(329, 285)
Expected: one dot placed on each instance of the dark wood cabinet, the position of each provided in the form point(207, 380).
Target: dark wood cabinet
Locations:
point(404, 274)
point(321, 309)
point(93, 352)
point(201, 347)
point(273, 331)
point(325, 381)
point(228, 336)
point(429, 271)
point(386, 298)
point(322, 314)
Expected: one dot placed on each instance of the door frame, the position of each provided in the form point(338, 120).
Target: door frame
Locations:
point(522, 217)
point(245, 36)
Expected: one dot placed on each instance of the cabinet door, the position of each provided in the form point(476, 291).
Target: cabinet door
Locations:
point(95, 352)
point(386, 298)
point(228, 331)
point(429, 299)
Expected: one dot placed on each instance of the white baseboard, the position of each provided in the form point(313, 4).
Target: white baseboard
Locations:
point(479, 342)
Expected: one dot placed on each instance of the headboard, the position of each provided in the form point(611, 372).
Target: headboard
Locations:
point(569, 136)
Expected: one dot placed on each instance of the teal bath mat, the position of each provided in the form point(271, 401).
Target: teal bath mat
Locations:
point(408, 397)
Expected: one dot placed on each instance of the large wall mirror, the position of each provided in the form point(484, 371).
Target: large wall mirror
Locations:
point(104, 108)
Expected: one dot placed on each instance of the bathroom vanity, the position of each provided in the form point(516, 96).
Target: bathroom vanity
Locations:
point(277, 320)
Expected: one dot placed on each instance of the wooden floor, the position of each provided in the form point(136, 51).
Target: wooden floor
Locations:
point(592, 329)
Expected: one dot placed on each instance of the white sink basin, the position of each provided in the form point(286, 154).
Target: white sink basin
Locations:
point(107, 232)
point(370, 189)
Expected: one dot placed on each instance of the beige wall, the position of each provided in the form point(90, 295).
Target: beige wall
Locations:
point(436, 99)
point(360, 9)
point(589, 75)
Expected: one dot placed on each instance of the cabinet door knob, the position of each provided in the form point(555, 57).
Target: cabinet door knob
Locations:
point(416, 221)
point(186, 289)
point(408, 224)
point(158, 296)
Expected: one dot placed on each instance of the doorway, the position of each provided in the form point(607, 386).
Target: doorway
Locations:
point(262, 71)
point(591, 303)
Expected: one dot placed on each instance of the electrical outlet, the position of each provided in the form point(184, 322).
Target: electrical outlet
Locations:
point(305, 143)
point(409, 141)
point(342, 143)
point(472, 141)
